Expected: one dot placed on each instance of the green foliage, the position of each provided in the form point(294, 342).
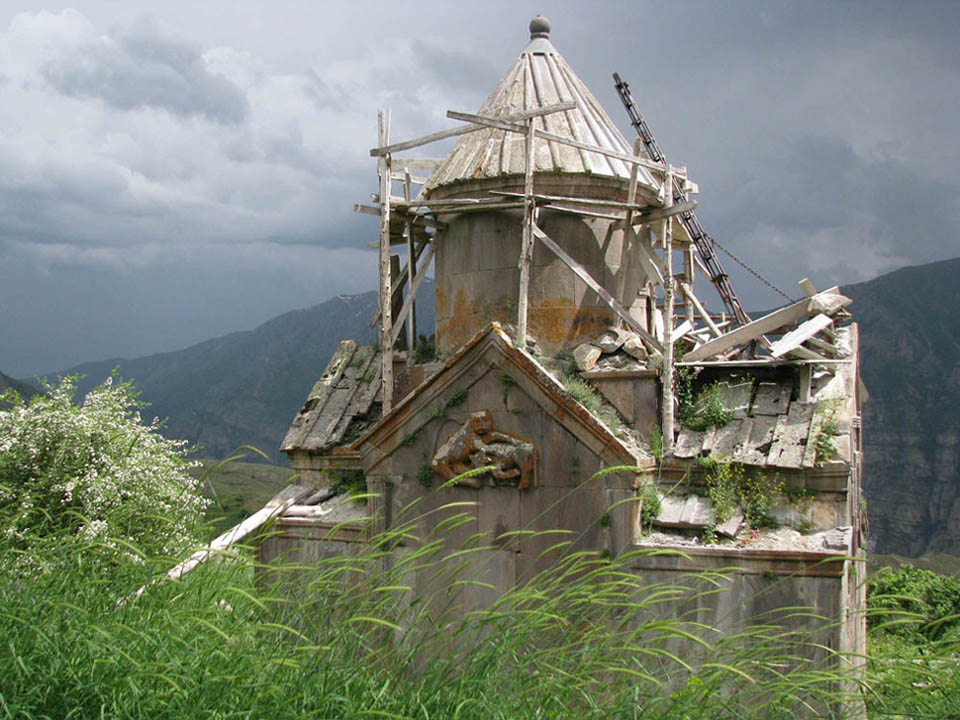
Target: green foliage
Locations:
point(410, 438)
point(586, 638)
point(426, 349)
point(730, 484)
point(96, 473)
point(581, 391)
point(651, 503)
point(698, 411)
point(351, 481)
point(459, 397)
point(656, 442)
point(913, 603)
point(829, 431)
point(425, 475)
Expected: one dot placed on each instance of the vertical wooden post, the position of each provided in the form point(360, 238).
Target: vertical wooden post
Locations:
point(666, 233)
point(384, 166)
point(631, 199)
point(688, 278)
point(526, 246)
point(411, 274)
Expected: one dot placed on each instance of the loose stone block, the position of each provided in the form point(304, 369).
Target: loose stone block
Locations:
point(586, 356)
point(613, 339)
point(634, 347)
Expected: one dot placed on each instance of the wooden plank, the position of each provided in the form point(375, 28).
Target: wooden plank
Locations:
point(384, 149)
point(688, 293)
point(808, 289)
point(666, 234)
point(795, 338)
point(642, 218)
point(386, 292)
point(411, 296)
point(790, 436)
point(597, 288)
point(771, 399)
point(287, 497)
point(405, 175)
point(509, 126)
point(646, 256)
point(644, 213)
point(427, 165)
point(827, 348)
point(398, 290)
point(526, 245)
point(826, 302)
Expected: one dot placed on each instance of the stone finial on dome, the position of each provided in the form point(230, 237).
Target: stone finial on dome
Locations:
point(539, 27)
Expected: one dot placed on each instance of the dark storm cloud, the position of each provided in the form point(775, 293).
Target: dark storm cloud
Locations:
point(144, 66)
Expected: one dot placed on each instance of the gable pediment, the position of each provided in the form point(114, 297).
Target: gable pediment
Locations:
point(489, 375)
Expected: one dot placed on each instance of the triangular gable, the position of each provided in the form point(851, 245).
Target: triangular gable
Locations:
point(492, 349)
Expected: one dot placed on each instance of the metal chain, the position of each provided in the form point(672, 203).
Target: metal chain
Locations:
point(749, 269)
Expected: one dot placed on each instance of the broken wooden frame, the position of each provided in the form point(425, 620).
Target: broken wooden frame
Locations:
point(403, 217)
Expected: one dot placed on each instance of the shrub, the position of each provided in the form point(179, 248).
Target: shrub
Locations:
point(94, 473)
point(913, 602)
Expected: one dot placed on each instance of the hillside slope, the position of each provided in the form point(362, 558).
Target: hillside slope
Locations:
point(243, 388)
point(910, 361)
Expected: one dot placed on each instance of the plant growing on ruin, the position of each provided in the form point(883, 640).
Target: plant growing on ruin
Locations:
point(425, 475)
point(730, 485)
point(581, 391)
point(825, 440)
point(426, 350)
point(698, 411)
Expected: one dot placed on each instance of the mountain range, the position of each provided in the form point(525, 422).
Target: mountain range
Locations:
point(245, 388)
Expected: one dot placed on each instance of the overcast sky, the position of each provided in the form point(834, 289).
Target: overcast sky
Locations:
point(172, 171)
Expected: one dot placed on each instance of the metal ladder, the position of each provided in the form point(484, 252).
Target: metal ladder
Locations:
point(703, 242)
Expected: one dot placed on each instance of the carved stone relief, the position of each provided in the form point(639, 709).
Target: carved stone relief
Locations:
point(477, 445)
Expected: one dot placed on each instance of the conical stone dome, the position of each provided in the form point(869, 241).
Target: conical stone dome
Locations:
point(493, 158)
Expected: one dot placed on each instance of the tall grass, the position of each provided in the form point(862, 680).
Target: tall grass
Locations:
point(346, 638)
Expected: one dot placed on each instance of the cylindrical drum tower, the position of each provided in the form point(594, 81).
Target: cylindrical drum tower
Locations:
point(477, 274)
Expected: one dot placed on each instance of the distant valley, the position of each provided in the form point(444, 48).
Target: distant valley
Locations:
point(246, 387)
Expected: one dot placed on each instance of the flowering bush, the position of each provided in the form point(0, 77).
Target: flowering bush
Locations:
point(95, 473)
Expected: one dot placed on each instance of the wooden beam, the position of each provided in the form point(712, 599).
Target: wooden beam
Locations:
point(692, 299)
point(796, 338)
point(666, 232)
point(386, 291)
point(614, 304)
point(290, 495)
point(427, 165)
point(827, 302)
point(411, 320)
point(411, 296)
point(808, 289)
point(643, 218)
point(464, 129)
point(400, 284)
point(504, 124)
point(527, 242)
point(646, 256)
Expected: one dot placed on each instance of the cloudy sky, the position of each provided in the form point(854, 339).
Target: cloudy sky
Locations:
point(171, 171)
